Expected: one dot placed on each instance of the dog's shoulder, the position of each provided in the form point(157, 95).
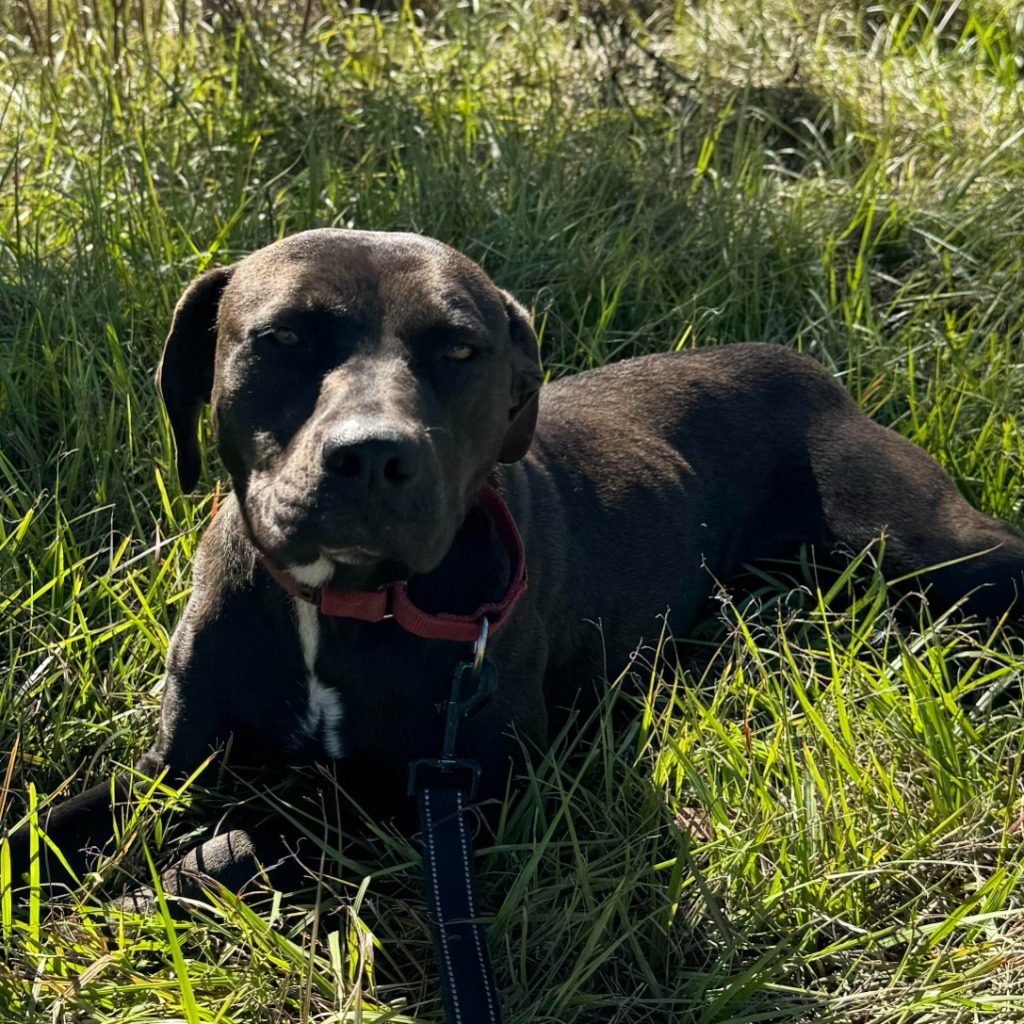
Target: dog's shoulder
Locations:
point(225, 560)
point(234, 662)
point(725, 363)
point(234, 611)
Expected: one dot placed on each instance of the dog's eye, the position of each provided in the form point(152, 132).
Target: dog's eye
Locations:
point(280, 336)
point(460, 353)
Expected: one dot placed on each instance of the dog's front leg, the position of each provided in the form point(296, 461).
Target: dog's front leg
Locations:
point(234, 683)
point(73, 834)
point(77, 826)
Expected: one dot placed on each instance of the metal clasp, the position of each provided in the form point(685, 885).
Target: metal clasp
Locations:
point(457, 708)
point(480, 645)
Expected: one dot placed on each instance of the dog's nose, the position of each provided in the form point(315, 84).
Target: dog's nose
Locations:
point(388, 460)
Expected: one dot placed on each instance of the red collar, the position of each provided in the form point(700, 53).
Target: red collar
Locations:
point(393, 602)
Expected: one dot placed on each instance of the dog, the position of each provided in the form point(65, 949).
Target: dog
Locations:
point(377, 402)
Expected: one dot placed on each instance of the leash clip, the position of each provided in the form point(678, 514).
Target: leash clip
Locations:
point(457, 708)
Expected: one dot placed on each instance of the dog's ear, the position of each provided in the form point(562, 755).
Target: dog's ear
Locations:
point(185, 374)
point(526, 381)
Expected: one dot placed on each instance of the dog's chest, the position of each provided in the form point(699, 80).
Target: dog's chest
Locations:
point(323, 720)
point(371, 691)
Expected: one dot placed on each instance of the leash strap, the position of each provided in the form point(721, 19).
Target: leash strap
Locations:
point(467, 977)
point(445, 788)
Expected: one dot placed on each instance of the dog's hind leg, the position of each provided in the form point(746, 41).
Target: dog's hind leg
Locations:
point(872, 482)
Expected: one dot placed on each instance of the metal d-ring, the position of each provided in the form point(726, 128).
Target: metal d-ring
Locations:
point(480, 646)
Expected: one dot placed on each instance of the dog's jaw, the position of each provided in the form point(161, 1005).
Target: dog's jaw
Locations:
point(346, 547)
point(314, 574)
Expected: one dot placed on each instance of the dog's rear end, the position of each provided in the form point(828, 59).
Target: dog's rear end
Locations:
point(656, 478)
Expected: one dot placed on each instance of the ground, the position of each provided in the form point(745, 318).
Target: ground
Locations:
point(818, 816)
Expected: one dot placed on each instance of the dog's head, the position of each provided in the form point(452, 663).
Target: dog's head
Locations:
point(363, 386)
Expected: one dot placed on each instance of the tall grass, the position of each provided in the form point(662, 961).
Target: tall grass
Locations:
point(817, 817)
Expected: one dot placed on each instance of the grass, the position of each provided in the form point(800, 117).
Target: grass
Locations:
point(818, 817)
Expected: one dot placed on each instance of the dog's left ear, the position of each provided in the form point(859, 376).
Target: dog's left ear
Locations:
point(526, 381)
point(185, 374)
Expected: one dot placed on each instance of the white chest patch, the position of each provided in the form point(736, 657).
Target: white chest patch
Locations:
point(324, 712)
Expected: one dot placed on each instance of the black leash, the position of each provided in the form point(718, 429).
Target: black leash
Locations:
point(445, 788)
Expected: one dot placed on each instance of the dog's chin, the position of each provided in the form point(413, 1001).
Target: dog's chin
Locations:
point(350, 563)
point(346, 576)
point(362, 550)
point(359, 568)
point(362, 568)
point(357, 556)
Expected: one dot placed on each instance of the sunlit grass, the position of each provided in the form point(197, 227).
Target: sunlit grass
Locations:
point(818, 816)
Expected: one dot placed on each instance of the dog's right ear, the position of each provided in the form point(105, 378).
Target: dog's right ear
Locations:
point(185, 374)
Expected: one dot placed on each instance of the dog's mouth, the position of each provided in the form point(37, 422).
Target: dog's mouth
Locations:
point(348, 573)
point(306, 540)
point(385, 540)
point(356, 554)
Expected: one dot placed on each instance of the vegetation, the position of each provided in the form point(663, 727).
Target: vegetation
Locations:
point(818, 816)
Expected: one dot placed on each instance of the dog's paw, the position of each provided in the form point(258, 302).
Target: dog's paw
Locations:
point(137, 901)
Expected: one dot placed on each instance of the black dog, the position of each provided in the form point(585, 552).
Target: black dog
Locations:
point(366, 390)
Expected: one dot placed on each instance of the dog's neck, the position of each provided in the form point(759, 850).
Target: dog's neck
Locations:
point(475, 570)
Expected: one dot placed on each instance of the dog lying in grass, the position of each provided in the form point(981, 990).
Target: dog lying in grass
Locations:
point(377, 402)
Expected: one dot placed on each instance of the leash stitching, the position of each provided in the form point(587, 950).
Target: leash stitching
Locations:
point(437, 902)
point(476, 928)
